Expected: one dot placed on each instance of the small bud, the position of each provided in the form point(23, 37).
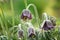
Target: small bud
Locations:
point(53, 20)
point(20, 31)
point(31, 32)
point(26, 14)
point(47, 25)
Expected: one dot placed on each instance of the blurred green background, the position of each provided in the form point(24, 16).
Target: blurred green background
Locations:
point(49, 6)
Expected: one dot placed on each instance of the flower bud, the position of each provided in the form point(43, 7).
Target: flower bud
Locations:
point(53, 20)
point(26, 14)
point(47, 25)
point(20, 33)
point(31, 32)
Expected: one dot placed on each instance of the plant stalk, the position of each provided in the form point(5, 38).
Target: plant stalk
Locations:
point(36, 12)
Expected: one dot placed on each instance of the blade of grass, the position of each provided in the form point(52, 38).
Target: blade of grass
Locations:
point(12, 9)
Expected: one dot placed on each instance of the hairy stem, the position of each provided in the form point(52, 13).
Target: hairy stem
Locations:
point(36, 12)
point(25, 1)
point(12, 9)
point(45, 15)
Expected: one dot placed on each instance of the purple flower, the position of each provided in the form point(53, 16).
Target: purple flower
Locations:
point(20, 34)
point(48, 25)
point(26, 14)
point(31, 32)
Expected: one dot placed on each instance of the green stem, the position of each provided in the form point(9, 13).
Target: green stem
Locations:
point(3, 29)
point(45, 15)
point(12, 9)
point(2, 26)
point(36, 12)
point(25, 1)
point(3, 17)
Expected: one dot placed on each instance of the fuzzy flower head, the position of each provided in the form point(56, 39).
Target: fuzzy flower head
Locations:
point(20, 31)
point(47, 25)
point(31, 31)
point(20, 34)
point(26, 14)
